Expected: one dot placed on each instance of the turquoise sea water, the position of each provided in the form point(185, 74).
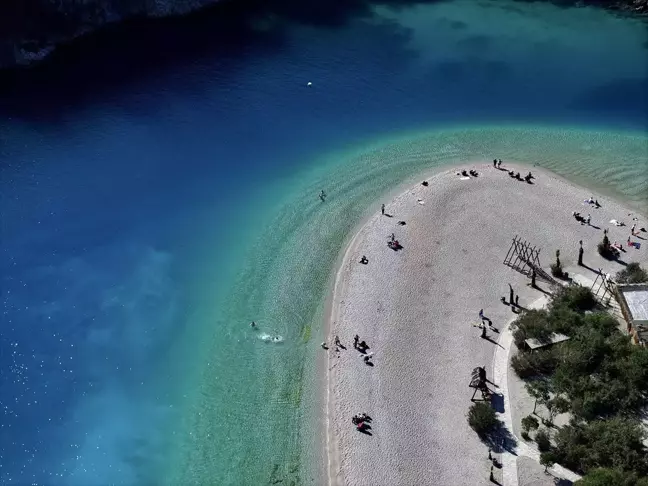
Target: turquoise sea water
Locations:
point(144, 228)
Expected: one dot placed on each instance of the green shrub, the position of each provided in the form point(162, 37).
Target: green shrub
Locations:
point(482, 419)
point(543, 440)
point(531, 324)
point(548, 459)
point(631, 274)
point(607, 477)
point(529, 423)
point(614, 443)
point(525, 435)
point(528, 364)
point(574, 297)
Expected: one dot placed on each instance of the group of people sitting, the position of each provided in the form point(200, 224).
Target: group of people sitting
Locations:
point(393, 243)
point(516, 175)
point(593, 201)
point(471, 172)
point(361, 421)
point(360, 346)
point(581, 219)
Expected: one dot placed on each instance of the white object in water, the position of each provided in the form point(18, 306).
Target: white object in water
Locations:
point(309, 84)
point(271, 339)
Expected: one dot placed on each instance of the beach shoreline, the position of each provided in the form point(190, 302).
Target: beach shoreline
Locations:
point(338, 466)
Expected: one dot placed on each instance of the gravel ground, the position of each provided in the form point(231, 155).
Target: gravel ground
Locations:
point(415, 308)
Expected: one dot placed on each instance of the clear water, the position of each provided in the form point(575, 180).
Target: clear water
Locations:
point(143, 229)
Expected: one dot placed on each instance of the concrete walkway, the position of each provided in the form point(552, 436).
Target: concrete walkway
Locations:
point(500, 376)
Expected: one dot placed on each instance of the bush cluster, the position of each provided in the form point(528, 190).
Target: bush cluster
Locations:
point(632, 274)
point(598, 376)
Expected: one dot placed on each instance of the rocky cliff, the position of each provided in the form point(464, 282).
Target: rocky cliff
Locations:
point(31, 29)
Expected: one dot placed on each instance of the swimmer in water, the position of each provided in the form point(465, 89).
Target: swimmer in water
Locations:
point(252, 324)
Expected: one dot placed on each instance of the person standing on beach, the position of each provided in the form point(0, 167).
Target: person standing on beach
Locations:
point(589, 218)
point(356, 338)
point(510, 293)
point(481, 314)
point(632, 229)
point(382, 209)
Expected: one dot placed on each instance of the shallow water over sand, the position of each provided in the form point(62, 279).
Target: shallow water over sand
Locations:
point(141, 235)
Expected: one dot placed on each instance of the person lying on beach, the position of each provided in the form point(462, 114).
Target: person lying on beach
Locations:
point(511, 173)
point(364, 260)
point(596, 203)
point(464, 173)
point(425, 183)
point(473, 173)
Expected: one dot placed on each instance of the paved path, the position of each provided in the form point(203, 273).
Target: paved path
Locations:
point(500, 376)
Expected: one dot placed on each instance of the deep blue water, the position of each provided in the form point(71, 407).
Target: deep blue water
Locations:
point(127, 193)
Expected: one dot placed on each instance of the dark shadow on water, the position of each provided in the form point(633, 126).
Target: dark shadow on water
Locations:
point(138, 51)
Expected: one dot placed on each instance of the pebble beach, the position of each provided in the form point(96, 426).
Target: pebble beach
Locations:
point(417, 308)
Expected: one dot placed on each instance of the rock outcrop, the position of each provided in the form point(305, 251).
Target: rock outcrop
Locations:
point(31, 29)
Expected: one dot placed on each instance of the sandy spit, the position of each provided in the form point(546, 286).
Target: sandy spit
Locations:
point(415, 308)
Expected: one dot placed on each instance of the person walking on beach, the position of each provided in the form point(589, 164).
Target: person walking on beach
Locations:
point(632, 229)
point(481, 314)
point(356, 338)
point(589, 218)
point(510, 293)
point(382, 209)
point(495, 163)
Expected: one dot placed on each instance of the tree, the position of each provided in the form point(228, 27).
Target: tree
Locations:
point(538, 389)
point(548, 459)
point(557, 405)
point(632, 273)
point(543, 440)
point(530, 423)
point(482, 419)
point(614, 443)
point(607, 477)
